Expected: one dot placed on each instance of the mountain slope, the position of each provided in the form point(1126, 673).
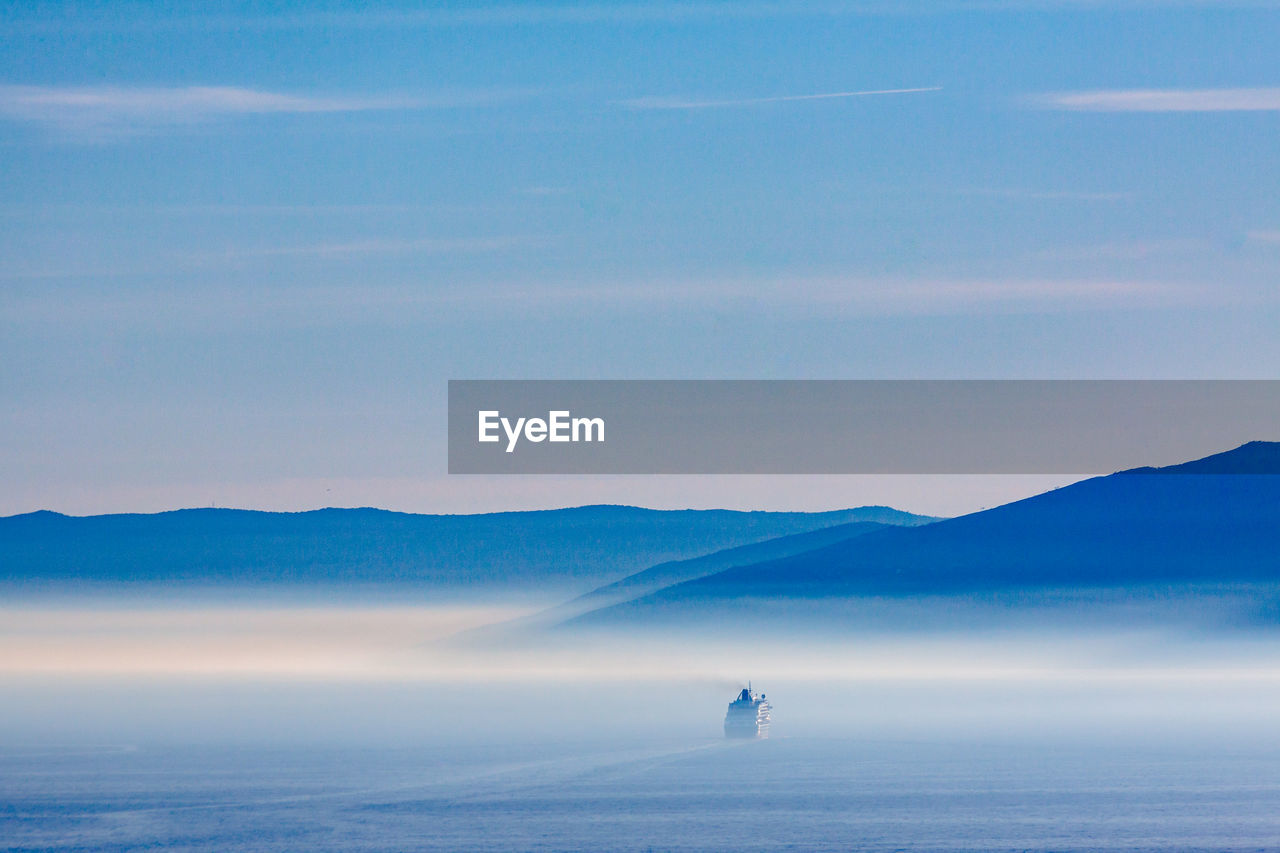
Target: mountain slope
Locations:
point(562, 552)
point(1129, 528)
point(677, 571)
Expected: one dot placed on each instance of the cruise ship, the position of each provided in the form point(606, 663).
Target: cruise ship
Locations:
point(748, 716)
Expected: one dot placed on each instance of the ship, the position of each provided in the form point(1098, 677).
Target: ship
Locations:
point(748, 715)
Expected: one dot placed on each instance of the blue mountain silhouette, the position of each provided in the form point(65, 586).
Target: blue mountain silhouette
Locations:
point(1217, 521)
point(562, 551)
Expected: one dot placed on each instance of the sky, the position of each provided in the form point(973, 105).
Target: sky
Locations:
point(243, 248)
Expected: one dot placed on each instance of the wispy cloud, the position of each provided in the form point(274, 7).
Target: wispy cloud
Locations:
point(660, 102)
point(123, 109)
point(1046, 195)
point(1131, 250)
point(359, 248)
point(164, 17)
point(396, 303)
point(1164, 100)
point(379, 16)
point(177, 262)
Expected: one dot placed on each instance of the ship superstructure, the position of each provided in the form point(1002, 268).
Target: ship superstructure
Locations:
point(748, 715)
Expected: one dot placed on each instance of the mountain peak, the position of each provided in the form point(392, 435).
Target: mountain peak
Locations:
point(1254, 457)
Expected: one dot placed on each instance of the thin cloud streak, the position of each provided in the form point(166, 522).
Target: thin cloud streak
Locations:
point(681, 103)
point(105, 109)
point(326, 305)
point(356, 248)
point(348, 250)
point(564, 14)
point(1132, 250)
point(1046, 195)
point(1264, 99)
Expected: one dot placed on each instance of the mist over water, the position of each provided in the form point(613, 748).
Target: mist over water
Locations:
point(635, 766)
point(379, 727)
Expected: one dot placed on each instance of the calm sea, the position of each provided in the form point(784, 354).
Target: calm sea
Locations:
point(699, 794)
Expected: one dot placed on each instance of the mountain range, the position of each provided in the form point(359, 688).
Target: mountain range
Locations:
point(1133, 536)
point(553, 553)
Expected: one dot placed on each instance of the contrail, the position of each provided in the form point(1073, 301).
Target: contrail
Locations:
point(675, 103)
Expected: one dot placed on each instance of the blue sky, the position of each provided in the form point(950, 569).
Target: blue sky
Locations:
point(243, 247)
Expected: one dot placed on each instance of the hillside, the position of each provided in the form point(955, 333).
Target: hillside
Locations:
point(676, 571)
point(1202, 526)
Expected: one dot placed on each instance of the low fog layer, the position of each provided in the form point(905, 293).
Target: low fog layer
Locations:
point(404, 674)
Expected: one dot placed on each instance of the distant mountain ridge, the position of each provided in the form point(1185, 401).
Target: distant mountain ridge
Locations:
point(1218, 522)
point(560, 551)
